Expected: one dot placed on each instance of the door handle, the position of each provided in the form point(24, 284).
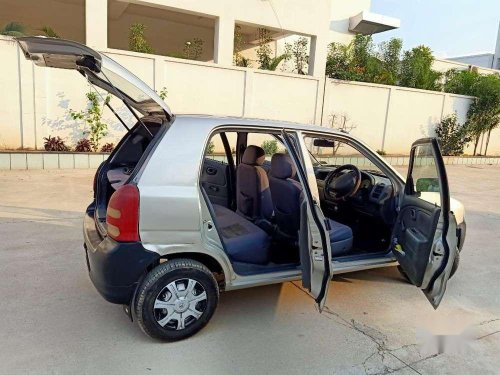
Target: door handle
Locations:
point(214, 188)
point(211, 171)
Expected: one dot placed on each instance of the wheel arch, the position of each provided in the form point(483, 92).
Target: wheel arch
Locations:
point(209, 261)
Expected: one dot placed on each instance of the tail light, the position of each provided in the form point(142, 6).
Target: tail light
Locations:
point(122, 215)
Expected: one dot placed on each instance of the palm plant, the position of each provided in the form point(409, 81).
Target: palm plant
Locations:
point(49, 31)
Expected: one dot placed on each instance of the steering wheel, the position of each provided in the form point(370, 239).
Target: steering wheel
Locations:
point(343, 182)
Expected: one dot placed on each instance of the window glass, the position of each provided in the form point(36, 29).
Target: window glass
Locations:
point(330, 152)
point(425, 175)
point(267, 141)
point(215, 149)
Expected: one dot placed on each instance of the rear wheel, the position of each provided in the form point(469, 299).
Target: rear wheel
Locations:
point(176, 299)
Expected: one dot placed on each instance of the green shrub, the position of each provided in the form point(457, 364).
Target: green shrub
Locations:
point(92, 116)
point(137, 40)
point(270, 146)
point(452, 136)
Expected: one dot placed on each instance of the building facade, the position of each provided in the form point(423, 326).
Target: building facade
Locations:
point(484, 60)
point(171, 24)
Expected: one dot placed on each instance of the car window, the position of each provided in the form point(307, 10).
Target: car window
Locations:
point(267, 141)
point(424, 175)
point(331, 152)
point(215, 149)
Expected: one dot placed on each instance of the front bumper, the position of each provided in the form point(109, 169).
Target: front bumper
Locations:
point(461, 229)
point(115, 268)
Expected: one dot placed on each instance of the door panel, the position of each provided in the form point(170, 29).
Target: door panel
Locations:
point(415, 227)
point(424, 236)
point(314, 242)
point(215, 181)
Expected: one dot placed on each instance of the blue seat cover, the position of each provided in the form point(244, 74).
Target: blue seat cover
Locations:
point(243, 240)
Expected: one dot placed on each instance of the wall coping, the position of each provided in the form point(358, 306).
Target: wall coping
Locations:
point(33, 160)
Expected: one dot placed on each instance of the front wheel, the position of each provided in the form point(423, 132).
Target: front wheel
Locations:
point(176, 299)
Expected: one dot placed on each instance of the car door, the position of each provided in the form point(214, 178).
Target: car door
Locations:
point(424, 237)
point(99, 69)
point(314, 243)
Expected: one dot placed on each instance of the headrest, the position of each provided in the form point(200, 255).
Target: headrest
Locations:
point(253, 155)
point(282, 166)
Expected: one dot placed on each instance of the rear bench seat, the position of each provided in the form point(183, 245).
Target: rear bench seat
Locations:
point(243, 240)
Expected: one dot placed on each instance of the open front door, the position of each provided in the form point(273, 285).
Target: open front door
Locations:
point(424, 237)
point(314, 242)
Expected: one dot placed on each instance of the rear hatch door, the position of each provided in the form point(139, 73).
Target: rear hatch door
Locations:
point(98, 69)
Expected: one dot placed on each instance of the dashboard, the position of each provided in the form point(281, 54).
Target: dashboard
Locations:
point(371, 197)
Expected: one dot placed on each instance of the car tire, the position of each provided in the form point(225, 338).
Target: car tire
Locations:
point(454, 268)
point(176, 299)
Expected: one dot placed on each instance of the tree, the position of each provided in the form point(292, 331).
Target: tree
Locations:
point(298, 53)
point(211, 148)
point(337, 61)
point(137, 40)
point(452, 136)
point(355, 61)
point(270, 146)
point(484, 113)
point(389, 54)
point(239, 42)
point(416, 70)
point(264, 51)
point(461, 81)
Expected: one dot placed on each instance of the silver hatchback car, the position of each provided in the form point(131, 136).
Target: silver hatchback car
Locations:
point(174, 221)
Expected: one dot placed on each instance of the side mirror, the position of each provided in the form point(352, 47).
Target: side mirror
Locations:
point(321, 142)
point(427, 185)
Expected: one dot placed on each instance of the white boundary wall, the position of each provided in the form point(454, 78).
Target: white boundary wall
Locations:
point(36, 101)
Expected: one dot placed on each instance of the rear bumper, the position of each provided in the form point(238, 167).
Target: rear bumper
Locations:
point(114, 268)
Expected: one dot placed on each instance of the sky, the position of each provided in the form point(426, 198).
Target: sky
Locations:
point(450, 27)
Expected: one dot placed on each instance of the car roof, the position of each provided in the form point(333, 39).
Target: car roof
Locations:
point(247, 121)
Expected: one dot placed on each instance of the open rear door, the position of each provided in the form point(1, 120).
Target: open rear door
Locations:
point(424, 237)
point(314, 242)
point(99, 69)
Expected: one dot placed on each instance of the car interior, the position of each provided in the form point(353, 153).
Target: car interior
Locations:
point(255, 199)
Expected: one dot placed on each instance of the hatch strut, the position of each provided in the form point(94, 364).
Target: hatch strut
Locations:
point(119, 94)
point(106, 102)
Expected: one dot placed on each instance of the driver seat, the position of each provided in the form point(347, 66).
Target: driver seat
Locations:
point(286, 194)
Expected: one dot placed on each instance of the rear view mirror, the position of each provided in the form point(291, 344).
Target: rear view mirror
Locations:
point(321, 142)
point(427, 185)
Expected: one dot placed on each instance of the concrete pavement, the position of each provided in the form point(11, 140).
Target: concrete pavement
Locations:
point(53, 320)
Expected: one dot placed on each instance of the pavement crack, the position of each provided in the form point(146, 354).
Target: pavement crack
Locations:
point(488, 321)
point(376, 336)
point(488, 334)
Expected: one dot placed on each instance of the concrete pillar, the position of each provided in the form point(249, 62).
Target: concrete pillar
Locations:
point(224, 40)
point(317, 56)
point(96, 23)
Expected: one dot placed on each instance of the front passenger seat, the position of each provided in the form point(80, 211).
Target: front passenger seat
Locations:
point(287, 198)
point(253, 197)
